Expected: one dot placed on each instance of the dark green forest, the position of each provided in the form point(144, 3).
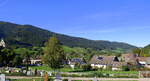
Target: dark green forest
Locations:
point(16, 35)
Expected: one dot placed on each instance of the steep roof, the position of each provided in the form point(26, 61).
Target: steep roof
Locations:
point(105, 60)
point(118, 64)
point(130, 58)
point(148, 60)
point(129, 55)
point(77, 60)
point(142, 59)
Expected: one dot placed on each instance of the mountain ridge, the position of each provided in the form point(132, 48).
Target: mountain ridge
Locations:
point(29, 35)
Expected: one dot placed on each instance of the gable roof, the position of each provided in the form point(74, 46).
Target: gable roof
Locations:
point(132, 58)
point(148, 60)
point(118, 64)
point(104, 60)
point(142, 59)
point(129, 55)
point(77, 60)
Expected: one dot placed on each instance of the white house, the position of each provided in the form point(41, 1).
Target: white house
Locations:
point(105, 62)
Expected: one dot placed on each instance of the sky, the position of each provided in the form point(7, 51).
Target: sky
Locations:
point(114, 20)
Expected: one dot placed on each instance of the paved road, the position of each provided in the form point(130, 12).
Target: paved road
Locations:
point(20, 77)
point(78, 78)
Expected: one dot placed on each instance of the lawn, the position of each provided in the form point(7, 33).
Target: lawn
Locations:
point(73, 80)
point(119, 72)
point(108, 80)
point(99, 73)
point(119, 80)
point(46, 68)
point(37, 79)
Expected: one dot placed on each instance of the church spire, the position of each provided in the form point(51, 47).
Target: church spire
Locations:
point(2, 43)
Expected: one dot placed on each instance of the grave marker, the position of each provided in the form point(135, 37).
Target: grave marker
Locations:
point(2, 77)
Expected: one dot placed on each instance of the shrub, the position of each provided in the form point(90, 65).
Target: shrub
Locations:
point(87, 67)
point(15, 74)
point(65, 80)
point(98, 74)
point(51, 79)
point(125, 68)
point(64, 75)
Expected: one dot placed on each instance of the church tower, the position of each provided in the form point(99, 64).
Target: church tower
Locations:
point(2, 43)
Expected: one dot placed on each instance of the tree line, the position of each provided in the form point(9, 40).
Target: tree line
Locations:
point(53, 51)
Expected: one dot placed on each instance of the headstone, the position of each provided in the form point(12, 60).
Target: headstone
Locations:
point(57, 80)
point(7, 80)
point(2, 77)
point(29, 73)
point(49, 73)
point(95, 79)
point(17, 71)
point(58, 77)
point(24, 71)
point(7, 71)
point(39, 73)
point(42, 73)
point(69, 79)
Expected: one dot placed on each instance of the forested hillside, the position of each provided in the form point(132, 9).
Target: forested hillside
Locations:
point(28, 35)
point(145, 51)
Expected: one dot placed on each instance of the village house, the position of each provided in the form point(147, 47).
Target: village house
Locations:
point(134, 59)
point(130, 58)
point(105, 62)
point(74, 61)
point(36, 61)
point(147, 62)
point(118, 65)
point(144, 61)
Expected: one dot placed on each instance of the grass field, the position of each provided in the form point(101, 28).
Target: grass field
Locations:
point(109, 80)
point(39, 79)
point(46, 68)
point(99, 73)
point(73, 80)
point(119, 80)
point(119, 72)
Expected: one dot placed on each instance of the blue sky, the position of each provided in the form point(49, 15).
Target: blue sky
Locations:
point(114, 20)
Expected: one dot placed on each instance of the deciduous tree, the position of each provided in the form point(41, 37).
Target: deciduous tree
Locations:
point(53, 53)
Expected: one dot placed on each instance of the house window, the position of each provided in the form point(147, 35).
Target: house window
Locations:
point(100, 58)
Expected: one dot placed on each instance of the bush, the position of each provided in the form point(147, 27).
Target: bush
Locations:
point(64, 75)
point(65, 80)
point(75, 75)
point(15, 74)
point(70, 75)
point(97, 74)
point(125, 68)
point(124, 76)
point(51, 79)
point(87, 67)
